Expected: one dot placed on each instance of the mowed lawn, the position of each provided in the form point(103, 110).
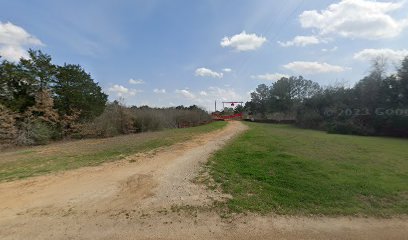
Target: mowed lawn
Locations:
point(39, 160)
point(285, 170)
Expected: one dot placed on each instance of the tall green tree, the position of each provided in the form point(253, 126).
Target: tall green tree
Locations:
point(75, 90)
point(17, 87)
point(259, 99)
point(403, 80)
point(40, 68)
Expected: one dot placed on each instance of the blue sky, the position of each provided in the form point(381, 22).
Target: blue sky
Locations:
point(172, 52)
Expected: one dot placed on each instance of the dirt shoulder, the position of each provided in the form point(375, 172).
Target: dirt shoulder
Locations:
point(152, 196)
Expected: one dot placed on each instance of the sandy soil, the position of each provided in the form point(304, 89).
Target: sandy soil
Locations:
point(153, 196)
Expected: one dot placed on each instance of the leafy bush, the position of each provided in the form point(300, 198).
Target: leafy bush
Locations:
point(8, 129)
point(33, 133)
point(310, 119)
point(119, 119)
point(147, 122)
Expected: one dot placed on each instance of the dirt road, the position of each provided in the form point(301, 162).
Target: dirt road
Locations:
point(153, 196)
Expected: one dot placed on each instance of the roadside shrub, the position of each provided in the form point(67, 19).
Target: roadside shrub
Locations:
point(147, 122)
point(351, 126)
point(309, 119)
point(339, 127)
point(69, 124)
point(8, 130)
point(33, 133)
point(152, 119)
point(115, 120)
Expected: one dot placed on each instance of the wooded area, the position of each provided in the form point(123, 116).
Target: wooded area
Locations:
point(41, 101)
point(376, 105)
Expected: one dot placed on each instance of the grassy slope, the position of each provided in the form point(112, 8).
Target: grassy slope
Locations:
point(40, 160)
point(282, 169)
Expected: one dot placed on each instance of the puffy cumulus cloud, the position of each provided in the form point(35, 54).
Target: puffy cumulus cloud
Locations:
point(210, 94)
point(243, 41)
point(205, 97)
point(118, 89)
point(203, 93)
point(313, 67)
point(205, 72)
point(270, 76)
point(157, 90)
point(122, 91)
point(13, 53)
point(14, 41)
point(390, 54)
point(227, 70)
point(356, 19)
point(185, 93)
point(301, 41)
point(223, 94)
point(136, 81)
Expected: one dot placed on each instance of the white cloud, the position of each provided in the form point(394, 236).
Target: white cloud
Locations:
point(301, 41)
point(224, 94)
point(243, 41)
point(227, 70)
point(136, 81)
point(122, 91)
point(270, 76)
point(185, 93)
point(356, 19)
point(206, 97)
point(392, 55)
point(210, 94)
point(333, 49)
point(205, 72)
point(156, 90)
point(313, 67)
point(13, 53)
point(14, 41)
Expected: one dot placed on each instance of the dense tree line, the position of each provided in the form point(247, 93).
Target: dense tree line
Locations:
point(376, 105)
point(119, 119)
point(40, 100)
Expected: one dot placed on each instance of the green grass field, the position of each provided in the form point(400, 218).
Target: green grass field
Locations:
point(285, 170)
point(33, 161)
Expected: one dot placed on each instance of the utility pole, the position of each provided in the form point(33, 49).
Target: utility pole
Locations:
point(215, 105)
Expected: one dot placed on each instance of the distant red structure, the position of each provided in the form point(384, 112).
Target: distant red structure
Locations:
point(218, 117)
